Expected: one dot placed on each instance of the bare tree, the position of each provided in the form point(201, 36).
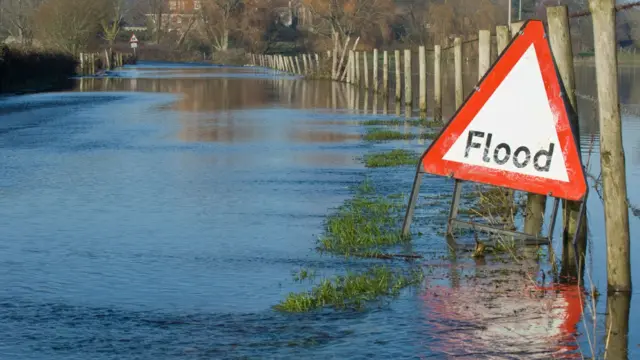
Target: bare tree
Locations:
point(17, 18)
point(114, 12)
point(217, 20)
point(344, 19)
point(68, 25)
point(158, 16)
point(256, 25)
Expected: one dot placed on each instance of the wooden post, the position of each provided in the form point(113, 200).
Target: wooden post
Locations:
point(515, 27)
point(298, 68)
point(318, 69)
point(385, 74)
point(398, 77)
point(560, 40)
point(292, 65)
point(304, 63)
point(107, 60)
point(612, 163)
point(334, 58)
point(617, 326)
point(357, 63)
point(422, 65)
point(82, 69)
point(502, 38)
point(408, 96)
point(437, 84)
point(457, 54)
point(310, 64)
point(536, 203)
point(484, 52)
point(375, 71)
point(365, 72)
point(352, 67)
point(93, 63)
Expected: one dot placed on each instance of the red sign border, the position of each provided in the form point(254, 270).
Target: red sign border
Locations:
point(432, 161)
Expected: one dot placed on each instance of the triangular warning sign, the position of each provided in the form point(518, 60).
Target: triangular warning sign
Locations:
point(514, 130)
point(133, 38)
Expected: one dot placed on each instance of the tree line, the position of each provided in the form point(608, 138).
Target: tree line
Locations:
point(264, 26)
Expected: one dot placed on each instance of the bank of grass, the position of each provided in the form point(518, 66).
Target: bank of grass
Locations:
point(25, 70)
point(378, 134)
point(391, 158)
point(352, 291)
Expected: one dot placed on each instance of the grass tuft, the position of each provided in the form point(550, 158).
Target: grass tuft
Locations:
point(362, 224)
point(304, 274)
point(398, 122)
point(352, 291)
point(378, 134)
point(391, 158)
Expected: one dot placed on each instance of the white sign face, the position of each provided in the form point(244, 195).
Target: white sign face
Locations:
point(134, 45)
point(528, 144)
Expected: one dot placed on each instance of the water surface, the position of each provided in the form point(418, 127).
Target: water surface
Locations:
point(160, 212)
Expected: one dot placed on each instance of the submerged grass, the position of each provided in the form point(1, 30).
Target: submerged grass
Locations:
point(391, 158)
point(362, 224)
point(397, 122)
point(378, 134)
point(352, 291)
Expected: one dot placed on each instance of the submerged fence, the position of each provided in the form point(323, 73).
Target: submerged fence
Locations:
point(384, 73)
point(93, 63)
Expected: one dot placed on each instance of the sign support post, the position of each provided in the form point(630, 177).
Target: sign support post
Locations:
point(134, 43)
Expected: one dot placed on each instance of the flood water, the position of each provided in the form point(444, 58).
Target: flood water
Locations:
point(159, 213)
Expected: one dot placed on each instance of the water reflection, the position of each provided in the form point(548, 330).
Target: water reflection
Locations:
point(617, 326)
point(477, 316)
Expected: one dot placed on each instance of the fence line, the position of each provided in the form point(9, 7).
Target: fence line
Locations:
point(93, 63)
point(603, 13)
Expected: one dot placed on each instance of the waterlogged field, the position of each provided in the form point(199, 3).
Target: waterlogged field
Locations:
point(181, 211)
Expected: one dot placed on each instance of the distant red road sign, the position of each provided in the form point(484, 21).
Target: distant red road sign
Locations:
point(133, 39)
point(514, 130)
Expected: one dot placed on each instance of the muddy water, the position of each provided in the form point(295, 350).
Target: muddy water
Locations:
point(159, 213)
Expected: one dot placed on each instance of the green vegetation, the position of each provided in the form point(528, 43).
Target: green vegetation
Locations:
point(362, 224)
point(378, 134)
point(398, 122)
point(352, 291)
point(23, 70)
point(391, 158)
point(304, 274)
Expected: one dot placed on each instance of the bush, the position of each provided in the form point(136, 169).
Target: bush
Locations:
point(22, 69)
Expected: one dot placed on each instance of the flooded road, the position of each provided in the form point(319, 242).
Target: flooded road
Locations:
point(160, 213)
